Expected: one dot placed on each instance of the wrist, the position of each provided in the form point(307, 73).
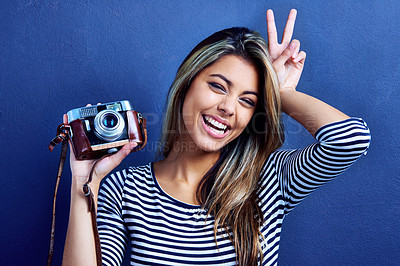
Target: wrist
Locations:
point(286, 90)
point(77, 184)
point(287, 95)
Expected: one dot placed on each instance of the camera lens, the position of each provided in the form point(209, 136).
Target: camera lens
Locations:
point(110, 120)
point(109, 125)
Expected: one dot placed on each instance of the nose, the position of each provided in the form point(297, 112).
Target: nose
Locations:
point(227, 106)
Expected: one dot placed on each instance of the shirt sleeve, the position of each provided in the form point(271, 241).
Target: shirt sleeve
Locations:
point(112, 231)
point(338, 146)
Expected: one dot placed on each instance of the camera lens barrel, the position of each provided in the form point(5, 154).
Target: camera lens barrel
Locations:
point(109, 125)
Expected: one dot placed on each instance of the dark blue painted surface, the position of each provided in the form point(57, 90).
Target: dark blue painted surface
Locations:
point(59, 55)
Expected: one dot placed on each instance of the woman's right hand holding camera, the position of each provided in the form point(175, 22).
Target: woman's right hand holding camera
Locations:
point(79, 246)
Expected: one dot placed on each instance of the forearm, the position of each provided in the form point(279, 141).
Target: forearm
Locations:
point(79, 244)
point(309, 111)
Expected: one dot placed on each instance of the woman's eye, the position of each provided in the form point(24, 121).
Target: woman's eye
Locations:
point(216, 86)
point(248, 102)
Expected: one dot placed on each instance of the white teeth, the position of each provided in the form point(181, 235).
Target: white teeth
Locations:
point(220, 126)
point(216, 131)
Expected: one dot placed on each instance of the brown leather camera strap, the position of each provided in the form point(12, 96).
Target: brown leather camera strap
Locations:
point(62, 137)
point(63, 134)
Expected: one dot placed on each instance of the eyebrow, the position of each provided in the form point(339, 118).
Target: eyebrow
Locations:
point(223, 78)
point(230, 83)
point(251, 92)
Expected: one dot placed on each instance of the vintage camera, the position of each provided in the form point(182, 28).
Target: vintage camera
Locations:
point(105, 128)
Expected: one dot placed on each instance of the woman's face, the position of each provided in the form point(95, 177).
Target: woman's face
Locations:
point(220, 103)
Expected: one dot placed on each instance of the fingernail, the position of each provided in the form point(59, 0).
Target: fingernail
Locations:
point(132, 145)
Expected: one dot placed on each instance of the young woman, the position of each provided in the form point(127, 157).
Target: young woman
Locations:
point(220, 192)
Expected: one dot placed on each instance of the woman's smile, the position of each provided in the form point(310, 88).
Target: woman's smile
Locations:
point(215, 127)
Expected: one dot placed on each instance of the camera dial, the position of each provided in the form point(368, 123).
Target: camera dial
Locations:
point(109, 125)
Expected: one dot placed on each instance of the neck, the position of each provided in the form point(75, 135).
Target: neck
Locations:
point(190, 164)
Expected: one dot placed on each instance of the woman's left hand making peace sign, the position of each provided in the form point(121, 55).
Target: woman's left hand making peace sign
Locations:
point(287, 61)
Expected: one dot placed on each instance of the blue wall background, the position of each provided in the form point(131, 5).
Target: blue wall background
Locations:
point(59, 55)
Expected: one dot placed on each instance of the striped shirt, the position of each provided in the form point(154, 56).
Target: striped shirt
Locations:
point(133, 208)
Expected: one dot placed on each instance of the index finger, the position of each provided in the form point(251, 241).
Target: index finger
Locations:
point(271, 27)
point(288, 32)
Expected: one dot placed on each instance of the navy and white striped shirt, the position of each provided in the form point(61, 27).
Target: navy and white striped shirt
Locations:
point(165, 231)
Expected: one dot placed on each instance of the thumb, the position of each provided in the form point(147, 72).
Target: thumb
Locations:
point(108, 163)
point(117, 158)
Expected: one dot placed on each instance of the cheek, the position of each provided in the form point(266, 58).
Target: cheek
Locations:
point(244, 118)
point(203, 96)
point(192, 108)
point(198, 101)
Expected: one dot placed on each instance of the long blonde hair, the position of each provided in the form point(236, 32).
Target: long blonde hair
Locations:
point(229, 189)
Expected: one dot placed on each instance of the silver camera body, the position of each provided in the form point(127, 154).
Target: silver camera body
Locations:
point(102, 128)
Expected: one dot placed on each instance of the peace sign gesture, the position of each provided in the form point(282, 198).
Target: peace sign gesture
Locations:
point(287, 61)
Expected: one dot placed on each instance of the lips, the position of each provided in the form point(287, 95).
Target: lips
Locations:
point(216, 127)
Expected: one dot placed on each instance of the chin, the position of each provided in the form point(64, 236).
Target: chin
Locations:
point(211, 147)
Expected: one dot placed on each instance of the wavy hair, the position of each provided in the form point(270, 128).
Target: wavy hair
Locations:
point(229, 189)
